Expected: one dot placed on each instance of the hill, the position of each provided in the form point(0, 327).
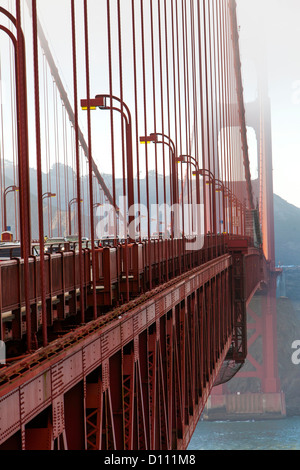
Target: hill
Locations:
point(287, 232)
point(286, 216)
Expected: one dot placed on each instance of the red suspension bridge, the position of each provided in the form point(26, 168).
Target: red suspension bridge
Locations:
point(126, 269)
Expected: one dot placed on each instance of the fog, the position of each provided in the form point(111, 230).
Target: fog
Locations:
point(271, 27)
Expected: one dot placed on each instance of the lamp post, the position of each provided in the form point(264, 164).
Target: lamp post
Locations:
point(234, 202)
point(207, 173)
point(235, 206)
point(221, 187)
point(189, 159)
point(238, 215)
point(159, 138)
point(228, 194)
point(95, 206)
point(75, 199)
point(105, 102)
point(192, 161)
point(48, 195)
point(7, 190)
point(18, 42)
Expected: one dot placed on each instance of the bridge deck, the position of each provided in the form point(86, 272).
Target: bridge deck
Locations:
point(143, 356)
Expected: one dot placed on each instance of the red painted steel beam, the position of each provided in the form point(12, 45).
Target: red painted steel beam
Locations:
point(23, 155)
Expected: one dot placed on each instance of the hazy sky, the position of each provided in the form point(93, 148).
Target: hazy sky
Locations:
point(274, 24)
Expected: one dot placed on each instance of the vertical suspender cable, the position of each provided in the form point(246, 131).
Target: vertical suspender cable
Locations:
point(136, 111)
point(2, 172)
point(146, 148)
point(129, 176)
point(39, 172)
point(202, 107)
point(23, 167)
point(155, 130)
point(111, 110)
point(177, 145)
point(90, 174)
point(77, 159)
point(163, 130)
point(207, 162)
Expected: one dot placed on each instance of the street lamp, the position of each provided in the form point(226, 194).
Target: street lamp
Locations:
point(158, 138)
point(189, 159)
point(220, 187)
point(228, 195)
point(192, 161)
point(207, 173)
point(7, 190)
point(96, 205)
point(75, 199)
point(234, 203)
point(48, 195)
point(238, 205)
point(105, 102)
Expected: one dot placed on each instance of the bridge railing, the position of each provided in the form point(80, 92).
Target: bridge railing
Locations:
point(122, 272)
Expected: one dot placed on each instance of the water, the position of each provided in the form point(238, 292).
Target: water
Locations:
point(283, 434)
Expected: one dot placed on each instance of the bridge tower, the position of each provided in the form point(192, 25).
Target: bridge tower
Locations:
point(255, 391)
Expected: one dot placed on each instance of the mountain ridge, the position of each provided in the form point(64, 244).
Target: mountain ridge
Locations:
point(287, 232)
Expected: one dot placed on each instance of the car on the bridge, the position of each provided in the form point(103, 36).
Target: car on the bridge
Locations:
point(10, 250)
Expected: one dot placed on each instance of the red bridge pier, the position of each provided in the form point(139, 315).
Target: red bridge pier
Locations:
point(257, 392)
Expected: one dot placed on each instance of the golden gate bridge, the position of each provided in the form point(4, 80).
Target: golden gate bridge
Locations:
point(133, 236)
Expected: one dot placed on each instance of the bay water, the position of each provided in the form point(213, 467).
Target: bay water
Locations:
point(281, 434)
